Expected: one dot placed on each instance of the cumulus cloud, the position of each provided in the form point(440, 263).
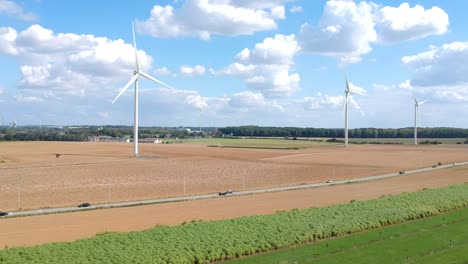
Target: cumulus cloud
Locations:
point(162, 71)
point(103, 114)
point(176, 97)
point(222, 17)
point(249, 100)
point(13, 9)
point(347, 29)
point(319, 102)
point(268, 67)
point(188, 71)
point(296, 9)
point(68, 62)
point(397, 24)
point(277, 50)
point(27, 99)
point(444, 65)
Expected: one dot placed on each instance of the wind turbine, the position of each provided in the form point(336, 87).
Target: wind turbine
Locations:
point(348, 93)
point(416, 105)
point(136, 75)
point(199, 118)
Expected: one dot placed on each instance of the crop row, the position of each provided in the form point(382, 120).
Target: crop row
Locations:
point(203, 242)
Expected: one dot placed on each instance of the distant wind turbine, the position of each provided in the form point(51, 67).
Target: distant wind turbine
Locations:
point(136, 75)
point(348, 93)
point(199, 118)
point(416, 105)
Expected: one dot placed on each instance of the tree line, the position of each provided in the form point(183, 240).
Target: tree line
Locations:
point(256, 131)
point(83, 133)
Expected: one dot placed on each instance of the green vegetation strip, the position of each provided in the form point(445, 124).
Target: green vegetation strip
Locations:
point(201, 242)
point(439, 239)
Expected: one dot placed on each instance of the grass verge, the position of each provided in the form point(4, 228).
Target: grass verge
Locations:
point(202, 242)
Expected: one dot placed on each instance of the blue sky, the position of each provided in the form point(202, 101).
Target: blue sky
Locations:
point(268, 63)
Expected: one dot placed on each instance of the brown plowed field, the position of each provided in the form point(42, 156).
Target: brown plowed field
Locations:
point(31, 176)
point(71, 226)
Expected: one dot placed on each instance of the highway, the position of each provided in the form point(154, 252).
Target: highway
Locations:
point(235, 193)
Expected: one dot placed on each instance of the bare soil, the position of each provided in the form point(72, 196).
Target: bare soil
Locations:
point(32, 175)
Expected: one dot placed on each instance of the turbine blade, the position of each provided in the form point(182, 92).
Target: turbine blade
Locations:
point(137, 63)
point(355, 92)
point(423, 102)
point(347, 85)
point(154, 79)
point(415, 101)
point(126, 87)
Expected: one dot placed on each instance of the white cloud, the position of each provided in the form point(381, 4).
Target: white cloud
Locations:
point(267, 67)
point(68, 62)
point(345, 31)
point(188, 71)
point(247, 100)
point(356, 88)
point(278, 50)
point(397, 24)
point(320, 102)
point(7, 40)
point(27, 99)
point(296, 9)
point(103, 114)
point(222, 17)
point(445, 65)
point(173, 97)
point(13, 9)
point(162, 71)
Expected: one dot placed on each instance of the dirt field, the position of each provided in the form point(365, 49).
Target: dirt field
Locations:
point(31, 175)
point(71, 226)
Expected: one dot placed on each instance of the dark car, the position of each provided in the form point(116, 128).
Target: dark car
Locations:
point(225, 192)
point(83, 205)
point(402, 172)
point(3, 213)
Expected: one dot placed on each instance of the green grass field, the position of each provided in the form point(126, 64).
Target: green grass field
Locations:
point(406, 141)
point(280, 143)
point(268, 143)
point(439, 239)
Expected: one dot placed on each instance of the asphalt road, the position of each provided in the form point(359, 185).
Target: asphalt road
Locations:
point(216, 195)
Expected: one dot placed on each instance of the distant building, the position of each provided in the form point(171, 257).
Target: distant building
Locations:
point(150, 140)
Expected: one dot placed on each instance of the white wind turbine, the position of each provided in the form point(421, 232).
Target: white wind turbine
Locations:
point(136, 75)
point(416, 105)
point(199, 117)
point(348, 93)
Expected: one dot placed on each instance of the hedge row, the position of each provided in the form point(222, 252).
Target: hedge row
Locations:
point(202, 242)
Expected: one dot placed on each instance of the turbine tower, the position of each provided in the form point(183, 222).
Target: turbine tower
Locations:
point(416, 105)
point(348, 93)
point(136, 75)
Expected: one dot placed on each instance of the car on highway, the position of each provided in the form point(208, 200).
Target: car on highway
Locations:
point(84, 205)
point(225, 192)
point(3, 213)
point(330, 181)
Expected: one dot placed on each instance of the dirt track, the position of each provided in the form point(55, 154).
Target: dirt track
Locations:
point(72, 226)
point(32, 176)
